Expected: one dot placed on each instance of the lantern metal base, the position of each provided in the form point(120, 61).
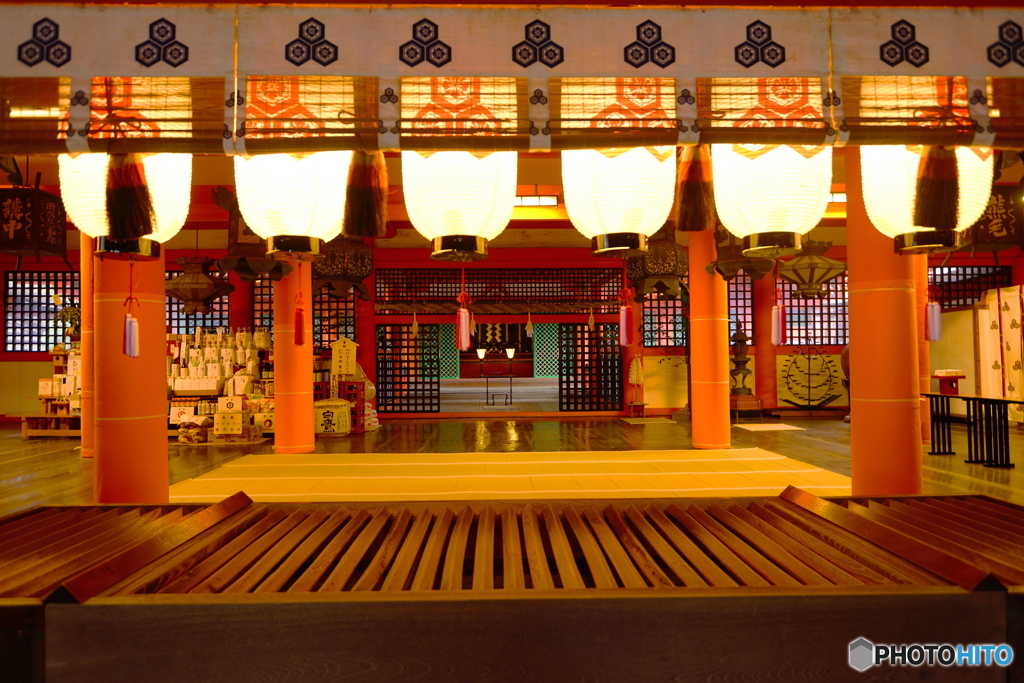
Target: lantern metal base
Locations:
point(928, 241)
point(771, 244)
point(619, 244)
point(141, 249)
point(295, 248)
point(459, 248)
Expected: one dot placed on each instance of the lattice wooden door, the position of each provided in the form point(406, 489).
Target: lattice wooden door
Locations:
point(589, 367)
point(408, 369)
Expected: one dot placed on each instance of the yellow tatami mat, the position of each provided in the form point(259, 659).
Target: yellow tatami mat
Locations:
point(331, 477)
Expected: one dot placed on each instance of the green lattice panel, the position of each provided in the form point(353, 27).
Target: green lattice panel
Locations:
point(449, 353)
point(545, 349)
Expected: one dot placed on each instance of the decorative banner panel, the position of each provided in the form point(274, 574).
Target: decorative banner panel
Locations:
point(86, 41)
point(927, 42)
point(528, 42)
point(811, 379)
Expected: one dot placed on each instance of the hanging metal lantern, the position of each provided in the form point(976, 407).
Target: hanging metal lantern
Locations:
point(346, 263)
point(729, 260)
point(247, 254)
point(195, 288)
point(662, 269)
point(32, 222)
point(811, 269)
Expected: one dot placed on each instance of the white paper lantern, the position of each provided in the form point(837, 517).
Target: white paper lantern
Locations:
point(618, 200)
point(83, 189)
point(889, 185)
point(772, 199)
point(296, 204)
point(459, 201)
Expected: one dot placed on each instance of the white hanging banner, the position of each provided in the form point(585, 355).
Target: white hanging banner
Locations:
point(927, 42)
point(122, 41)
point(532, 42)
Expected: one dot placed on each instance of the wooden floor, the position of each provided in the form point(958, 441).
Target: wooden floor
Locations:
point(50, 471)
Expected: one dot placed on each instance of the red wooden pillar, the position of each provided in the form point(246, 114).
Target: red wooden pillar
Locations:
point(924, 352)
point(885, 433)
point(88, 389)
point(709, 344)
point(131, 393)
point(293, 364)
point(766, 378)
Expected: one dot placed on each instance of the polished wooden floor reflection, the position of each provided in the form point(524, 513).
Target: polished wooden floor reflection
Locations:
point(50, 471)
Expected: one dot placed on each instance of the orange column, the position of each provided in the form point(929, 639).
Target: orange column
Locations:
point(924, 352)
point(885, 436)
point(88, 389)
point(709, 347)
point(131, 393)
point(766, 378)
point(366, 332)
point(293, 365)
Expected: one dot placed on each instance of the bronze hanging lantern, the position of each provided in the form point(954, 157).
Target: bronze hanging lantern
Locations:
point(247, 252)
point(662, 269)
point(346, 263)
point(811, 269)
point(32, 222)
point(195, 288)
point(729, 258)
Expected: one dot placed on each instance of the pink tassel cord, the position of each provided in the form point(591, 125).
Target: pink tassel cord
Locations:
point(778, 325)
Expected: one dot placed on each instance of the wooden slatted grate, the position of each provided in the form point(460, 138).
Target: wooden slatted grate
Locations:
point(794, 540)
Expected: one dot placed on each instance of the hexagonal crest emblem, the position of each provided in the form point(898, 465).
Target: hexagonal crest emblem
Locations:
point(635, 54)
point(411, 53)
point(424, 31)
point(538, 33)
point(903, 32)
point(862, 654)
point(45, 31)
point(552, 54)
point(663, 54)
point(147, 53)
point(891, 53)
point(439, 54)
point(58, 53)
point(176, 53)
point(747, 54)
point(648, 33)
point(312, 30)
point(773, 54)
point(525, 54)
point(1018, 54)
point(998, 54)
point(1010, 32)
point(297, 52)
point(759, 33)
point(161, 31)
point(325, 52)
point(30, 53)
point(916, 54)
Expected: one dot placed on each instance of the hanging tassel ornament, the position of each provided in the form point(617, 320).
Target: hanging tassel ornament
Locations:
point(300, 316)
point(529, 326)
point(131, 323)
point(462, 322)
point(778, 321)
point(695, 198)
point(472, 324)
point(938, 189)
point(129, 204)
point(590, 321)
point(415, 329)
point(933, 315)
point(626, 316)
point(366, 203)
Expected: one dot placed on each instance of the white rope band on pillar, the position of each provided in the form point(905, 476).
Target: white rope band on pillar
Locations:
point(78, 115)
point(389, 111)
point(540, 115)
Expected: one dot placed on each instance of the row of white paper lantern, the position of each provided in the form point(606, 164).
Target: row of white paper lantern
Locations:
point(607, 193)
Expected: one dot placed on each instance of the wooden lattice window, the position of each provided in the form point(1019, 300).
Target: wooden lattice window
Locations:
point(180, 323)
point(957, 287)
point(333, 317)
point(817, 322)
point(665, 321)
point(29, 308)
point(408, 369)
point(741, 304)
point(589, 367)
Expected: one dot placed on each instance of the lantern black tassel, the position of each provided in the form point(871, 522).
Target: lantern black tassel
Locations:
point(938, 189)
point(695, 197)
point(366, 206)
point(129, 205)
